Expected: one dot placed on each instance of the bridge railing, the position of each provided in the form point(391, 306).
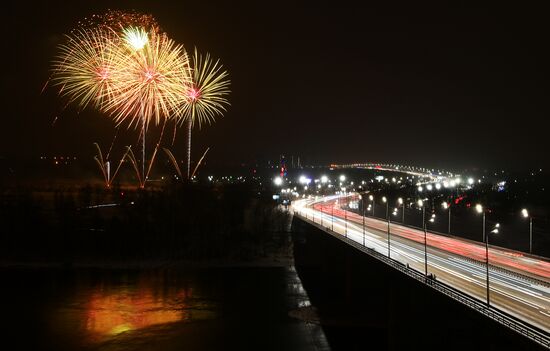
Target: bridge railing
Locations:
point(493, 313)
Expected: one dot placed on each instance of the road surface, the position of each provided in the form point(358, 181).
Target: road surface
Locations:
point(519, 284)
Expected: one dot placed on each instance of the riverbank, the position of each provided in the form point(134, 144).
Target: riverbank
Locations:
point(181, 223)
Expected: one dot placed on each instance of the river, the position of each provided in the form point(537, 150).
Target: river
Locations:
point(214, 308)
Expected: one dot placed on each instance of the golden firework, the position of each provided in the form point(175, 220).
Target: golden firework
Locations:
point(85, 66)
point(150, 79)
point(204, 96)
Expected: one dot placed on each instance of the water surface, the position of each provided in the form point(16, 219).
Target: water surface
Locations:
point(161, 309)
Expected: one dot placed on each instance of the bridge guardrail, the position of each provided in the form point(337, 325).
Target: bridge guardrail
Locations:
point(536, 335)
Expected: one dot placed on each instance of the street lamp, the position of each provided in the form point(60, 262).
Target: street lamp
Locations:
point(278, 181)
point(322, 211)
point(346, 220)
point(525, 214)
point(332, 216)
point(363, 207)
point(371, 198)
point(447, 206)
point(481, 210)
point(401, 202)
point(385, 200)
point(421, 204)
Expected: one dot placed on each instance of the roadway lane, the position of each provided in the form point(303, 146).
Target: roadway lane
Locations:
point(452, 261)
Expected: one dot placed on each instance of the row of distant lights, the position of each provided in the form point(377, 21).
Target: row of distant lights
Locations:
point(447, 184)
point(230, 178)
point(324, 179)
point(398, 167)
point(420, 203)
point(278, 181)
point(58, 158)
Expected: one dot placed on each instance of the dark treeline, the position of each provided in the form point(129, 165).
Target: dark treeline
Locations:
point(197, 222)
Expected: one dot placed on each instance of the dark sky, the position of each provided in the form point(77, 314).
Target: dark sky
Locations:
point(329, 81)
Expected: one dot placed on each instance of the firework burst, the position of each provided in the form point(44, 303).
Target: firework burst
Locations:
point(204, 97)
point(84, 68)
point(150, 82)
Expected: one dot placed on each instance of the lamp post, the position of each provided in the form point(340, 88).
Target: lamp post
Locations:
point(421, 204)
point(346, 223)
point(525, 214)
point(332, 217)
point(402, 203)
point(371, 198)
point(481, 210)
point(385, 200)
point(363, 207)
point(322, 211)
point(447, 206)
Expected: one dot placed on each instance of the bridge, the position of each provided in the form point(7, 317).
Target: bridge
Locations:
point(513, 289)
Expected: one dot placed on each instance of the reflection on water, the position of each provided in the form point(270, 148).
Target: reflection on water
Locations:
point(201, 309)
point(112, 313)
point(99, 308)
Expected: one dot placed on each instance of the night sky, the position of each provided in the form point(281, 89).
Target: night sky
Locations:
point(327, 81)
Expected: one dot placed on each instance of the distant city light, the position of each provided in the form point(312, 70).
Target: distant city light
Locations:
point(324, 179)
point(304, 180)
point(342, 178)
point(278, 181)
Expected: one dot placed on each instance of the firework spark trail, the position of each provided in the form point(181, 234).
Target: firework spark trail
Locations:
point(174, 134)
point(204, 96)
point(130, 155)
point(155, 150)
point(102, 165)
point(112, 144)
point(174, 162)
point(199, 163)
point(119, 165)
